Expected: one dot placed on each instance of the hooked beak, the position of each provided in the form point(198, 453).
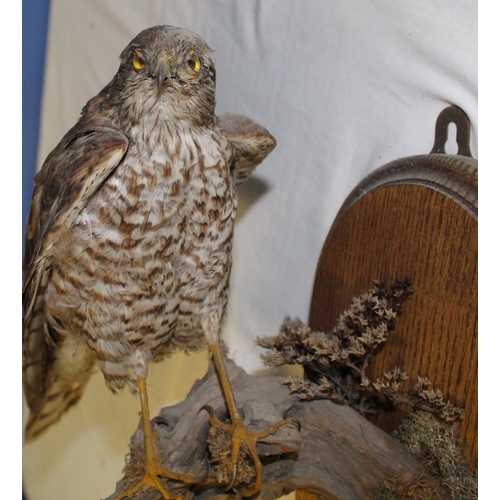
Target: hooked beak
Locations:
point(163, 74)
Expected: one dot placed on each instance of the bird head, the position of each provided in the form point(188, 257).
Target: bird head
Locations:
point(166, 70)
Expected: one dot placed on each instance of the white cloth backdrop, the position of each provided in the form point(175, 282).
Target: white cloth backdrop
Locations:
point(345, 87)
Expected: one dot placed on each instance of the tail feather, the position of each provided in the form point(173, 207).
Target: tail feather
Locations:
point(62, 386)
point(58, 400)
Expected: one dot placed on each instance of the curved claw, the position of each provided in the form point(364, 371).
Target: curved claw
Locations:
point(208, 409)
point(231, 483)
point(215, 420)
point(296, 421)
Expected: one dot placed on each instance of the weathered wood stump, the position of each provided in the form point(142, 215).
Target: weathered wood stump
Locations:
point(336, 454)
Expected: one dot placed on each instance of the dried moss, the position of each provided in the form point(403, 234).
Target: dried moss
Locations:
point(220, 447)
point(424, 488)
point(135, 465)
point(437, 445)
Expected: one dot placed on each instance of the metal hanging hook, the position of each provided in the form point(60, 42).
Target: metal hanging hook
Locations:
point(452, 114)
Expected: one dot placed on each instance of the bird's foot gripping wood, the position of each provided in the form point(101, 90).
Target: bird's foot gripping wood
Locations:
point(153, 467)
point(234, 469)
point(237, 458)
point(155, 470)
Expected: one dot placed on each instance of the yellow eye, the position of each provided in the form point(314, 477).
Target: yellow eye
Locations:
point(194, 63)
point(138, 62)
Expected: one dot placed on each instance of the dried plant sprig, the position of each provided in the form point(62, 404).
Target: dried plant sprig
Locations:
point(335, 363)
point(424, 397)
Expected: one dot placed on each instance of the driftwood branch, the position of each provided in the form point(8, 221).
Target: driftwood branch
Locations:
point(336, 454)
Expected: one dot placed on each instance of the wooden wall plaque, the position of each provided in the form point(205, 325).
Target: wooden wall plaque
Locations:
point(414, 218)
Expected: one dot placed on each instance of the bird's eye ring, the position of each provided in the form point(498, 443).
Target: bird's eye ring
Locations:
point(194, 63)
point(138, 61)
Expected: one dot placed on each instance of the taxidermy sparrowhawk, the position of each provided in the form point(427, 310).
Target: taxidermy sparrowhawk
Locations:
point(128, 246)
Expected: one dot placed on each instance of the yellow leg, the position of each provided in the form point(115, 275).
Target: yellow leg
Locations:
point(239, 433)
point(154, 467)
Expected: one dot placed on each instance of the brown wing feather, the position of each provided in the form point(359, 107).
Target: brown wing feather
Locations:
point(70, 176)
point(251, 143)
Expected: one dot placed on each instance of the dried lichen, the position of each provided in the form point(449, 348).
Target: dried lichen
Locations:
point(436, 445)
point(335, 363)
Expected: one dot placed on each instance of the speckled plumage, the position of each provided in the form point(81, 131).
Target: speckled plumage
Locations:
point(128, 246)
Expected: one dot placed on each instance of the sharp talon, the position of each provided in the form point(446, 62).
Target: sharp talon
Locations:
point(208, 409)
point(212, 417)
point(296, 422)
point(227, 488)
point(233, 479)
